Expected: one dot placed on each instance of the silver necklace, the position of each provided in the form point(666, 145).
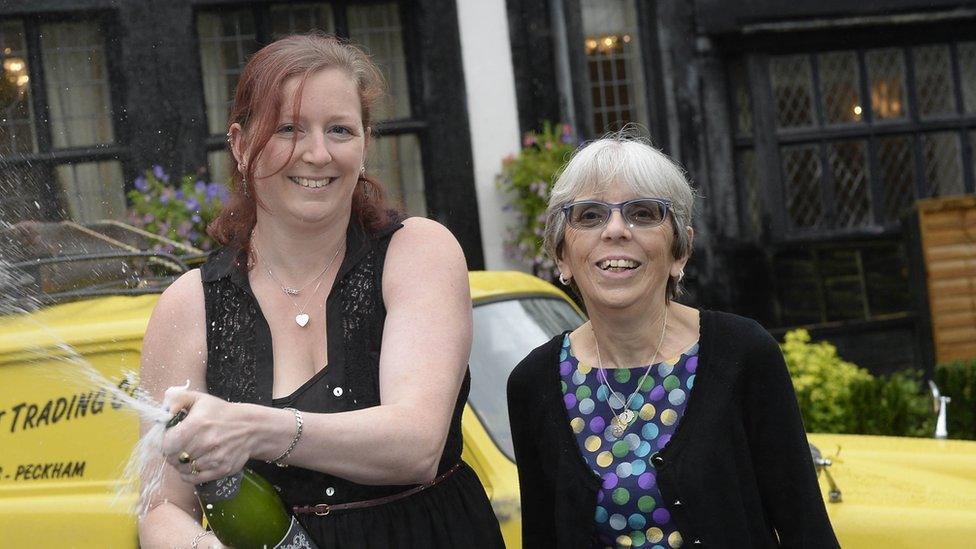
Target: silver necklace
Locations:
point(302, 317)
point(623, 420)
point(287, 289)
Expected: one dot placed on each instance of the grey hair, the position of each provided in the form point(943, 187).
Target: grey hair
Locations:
point(630, 159)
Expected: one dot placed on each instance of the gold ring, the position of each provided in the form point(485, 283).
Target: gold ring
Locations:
point(184, 457)
point(193, 468)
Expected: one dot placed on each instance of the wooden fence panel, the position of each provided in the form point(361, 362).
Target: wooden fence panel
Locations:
point(948, 234)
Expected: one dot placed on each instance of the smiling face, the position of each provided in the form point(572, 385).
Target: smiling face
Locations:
point(616, 266)
point(308, 171)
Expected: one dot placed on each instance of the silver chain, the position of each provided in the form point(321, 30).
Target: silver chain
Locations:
point(606, 380)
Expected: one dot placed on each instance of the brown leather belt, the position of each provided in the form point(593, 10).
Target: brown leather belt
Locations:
point(323, 509)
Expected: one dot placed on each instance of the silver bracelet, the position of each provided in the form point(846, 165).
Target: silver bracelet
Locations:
point(298, 434)
point(200, 536)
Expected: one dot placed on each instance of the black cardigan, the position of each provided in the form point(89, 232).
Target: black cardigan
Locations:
point(736, 473)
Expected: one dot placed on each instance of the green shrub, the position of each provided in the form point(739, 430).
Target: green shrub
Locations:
point(957, 380)
point(836, 396)
point(526, 179)
point(893, 405)
point(822, 381)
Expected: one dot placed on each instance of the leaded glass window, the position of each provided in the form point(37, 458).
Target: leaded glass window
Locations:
point(59, 150)
point(833, 148)
point(612, 48)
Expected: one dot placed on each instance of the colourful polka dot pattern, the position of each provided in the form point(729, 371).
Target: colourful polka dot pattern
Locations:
point(630, 511)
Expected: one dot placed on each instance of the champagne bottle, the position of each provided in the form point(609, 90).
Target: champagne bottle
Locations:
point(244, 511)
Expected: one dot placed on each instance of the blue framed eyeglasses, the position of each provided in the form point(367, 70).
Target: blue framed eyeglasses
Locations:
point(638, 213)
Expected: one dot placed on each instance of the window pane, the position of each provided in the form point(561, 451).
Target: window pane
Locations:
point(219, 165)
point(749, 179)
point(886, 73)
point(897, 169)
point(798, 288)
point(76, 78)
point(741, 92)
point(227, 39)
point(943, 166)
point(886, 279)
point(93, 190)
point(613, 57)
point(504, 331)
point(377, 28)
point(967, 74)
point(802, 172)
point(395, 162)
point(793, 90)
point(298, 18)
point(25, 191)
point(849, 169)
point(843, 290)
point(840, 87)
point(933, 81)
point(16, 111)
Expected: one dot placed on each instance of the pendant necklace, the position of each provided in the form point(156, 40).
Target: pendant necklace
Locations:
point(622, 421)
point(302, 317)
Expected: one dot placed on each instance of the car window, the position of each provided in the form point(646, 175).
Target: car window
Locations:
point(504, 332)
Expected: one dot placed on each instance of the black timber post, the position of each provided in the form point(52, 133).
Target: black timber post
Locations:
point(533, 62)
point(163, 88)
point(447, 157)
point(924, 345)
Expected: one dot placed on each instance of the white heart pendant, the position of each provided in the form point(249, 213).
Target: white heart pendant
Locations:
point(301, 319)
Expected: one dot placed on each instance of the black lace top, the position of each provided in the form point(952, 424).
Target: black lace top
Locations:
point(240, 369)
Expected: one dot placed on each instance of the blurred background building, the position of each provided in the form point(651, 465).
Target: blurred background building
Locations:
point(809, 127)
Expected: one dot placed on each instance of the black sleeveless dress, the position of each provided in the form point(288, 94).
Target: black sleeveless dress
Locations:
point(453, 513)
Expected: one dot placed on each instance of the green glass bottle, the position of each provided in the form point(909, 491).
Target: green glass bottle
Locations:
point(245, 511)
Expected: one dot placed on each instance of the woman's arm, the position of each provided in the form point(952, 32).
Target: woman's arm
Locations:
point(174, 350)
point(781, 454)
point(426, 342)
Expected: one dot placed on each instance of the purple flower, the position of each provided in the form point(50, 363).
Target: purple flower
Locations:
point(148, 218)
point(184, 229)
point(200, 187)
point(216, 190)
point(141, 184)
point(165, 196)
point(160, 174)
point(178, 194)
point(192, 205)
point(193, 236)
point(196, 218)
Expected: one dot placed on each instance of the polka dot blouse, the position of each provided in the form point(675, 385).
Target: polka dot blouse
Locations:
point(630, 511)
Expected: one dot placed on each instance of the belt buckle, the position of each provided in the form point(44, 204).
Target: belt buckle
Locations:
point(321, 509)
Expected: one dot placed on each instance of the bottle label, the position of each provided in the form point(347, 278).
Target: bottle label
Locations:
point(221, 489)
point(296, 538)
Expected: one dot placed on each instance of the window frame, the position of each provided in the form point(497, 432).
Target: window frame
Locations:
point(767, 140)
point(53, 206)
point(415, 124)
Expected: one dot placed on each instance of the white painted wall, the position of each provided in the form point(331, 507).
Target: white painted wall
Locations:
point(493, 113)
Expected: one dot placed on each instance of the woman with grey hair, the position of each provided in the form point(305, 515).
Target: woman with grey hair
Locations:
point(653, 424)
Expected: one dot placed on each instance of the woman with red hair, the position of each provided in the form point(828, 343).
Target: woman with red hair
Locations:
point(326, 342)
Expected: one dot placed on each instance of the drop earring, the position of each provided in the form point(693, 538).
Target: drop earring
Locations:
point(563, 280)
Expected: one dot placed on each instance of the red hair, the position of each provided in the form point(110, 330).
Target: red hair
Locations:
point(257, 108)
